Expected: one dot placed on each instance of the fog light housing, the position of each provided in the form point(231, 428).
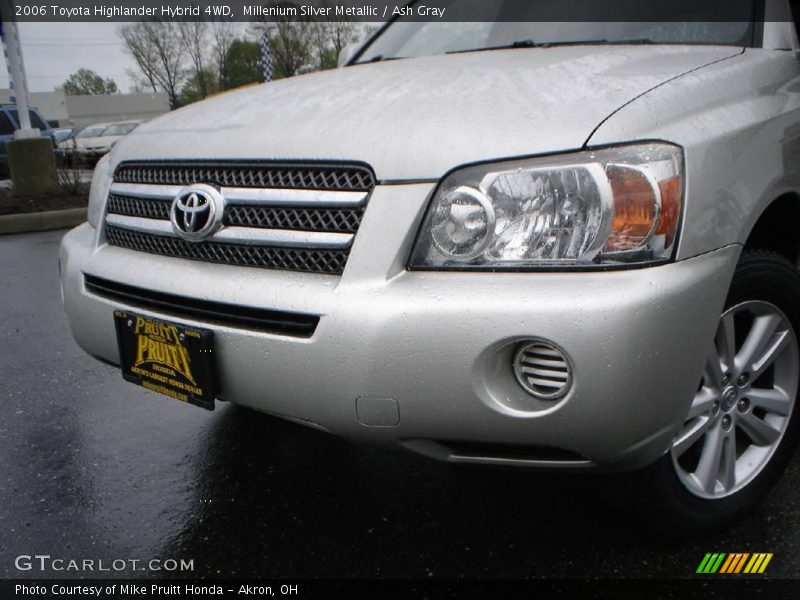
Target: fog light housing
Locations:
point(543, 370)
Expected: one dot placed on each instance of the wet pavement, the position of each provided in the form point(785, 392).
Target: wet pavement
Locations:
point(92, 467)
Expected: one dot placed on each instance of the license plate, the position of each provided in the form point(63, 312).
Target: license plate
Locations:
point(167, 358)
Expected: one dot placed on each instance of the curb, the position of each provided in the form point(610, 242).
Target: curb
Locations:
point(42, 221)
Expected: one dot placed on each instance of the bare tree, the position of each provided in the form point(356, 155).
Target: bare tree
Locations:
point(340, 34)
point(223, 34)
point(194, 35)
point(159, 52)
point(139, 46)
point(292, 46)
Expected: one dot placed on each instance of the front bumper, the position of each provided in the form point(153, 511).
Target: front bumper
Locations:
point(423, 358)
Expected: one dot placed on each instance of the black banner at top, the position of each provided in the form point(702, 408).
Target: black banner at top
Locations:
point(377, 11)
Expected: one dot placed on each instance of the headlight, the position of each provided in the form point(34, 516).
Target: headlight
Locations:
point(615, 206)
point(101, 183)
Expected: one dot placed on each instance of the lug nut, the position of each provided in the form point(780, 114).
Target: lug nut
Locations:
point(726, 379)
point(743, 405)
point(743, 379)
point(726, 422)
point(715, 408)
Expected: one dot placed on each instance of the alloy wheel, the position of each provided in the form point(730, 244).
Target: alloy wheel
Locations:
point(744, 402)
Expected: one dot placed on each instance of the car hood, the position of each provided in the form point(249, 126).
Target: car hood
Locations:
point(418, 118)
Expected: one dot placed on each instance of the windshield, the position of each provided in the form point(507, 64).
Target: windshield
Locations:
point(405, 38)
point(120, 129)
point(62, 134)
point(92, 131)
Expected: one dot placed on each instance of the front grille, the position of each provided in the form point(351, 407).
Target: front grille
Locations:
point(351, 178)
point(139, 207)
point(233, 315)
point(325, 261)
point(342, 220)
point(277, 216)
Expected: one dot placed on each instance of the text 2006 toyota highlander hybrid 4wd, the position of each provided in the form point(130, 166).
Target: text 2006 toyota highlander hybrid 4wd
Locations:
point(550, 245)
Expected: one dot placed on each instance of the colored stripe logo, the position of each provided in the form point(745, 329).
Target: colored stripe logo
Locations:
point(734, 563)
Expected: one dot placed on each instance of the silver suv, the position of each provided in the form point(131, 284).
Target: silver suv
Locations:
point(568, 246)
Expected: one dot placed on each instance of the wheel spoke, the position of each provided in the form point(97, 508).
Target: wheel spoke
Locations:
point(728, 469)
point(687, 438)
point(773, 400)
point(778, 344)
point(761, 432)
point(713, 372)
point(708, 469)
point(757, 340)
point(703, 402)
point(726, 340)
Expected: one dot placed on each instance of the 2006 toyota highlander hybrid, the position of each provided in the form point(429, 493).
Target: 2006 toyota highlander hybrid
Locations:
point(564, 245)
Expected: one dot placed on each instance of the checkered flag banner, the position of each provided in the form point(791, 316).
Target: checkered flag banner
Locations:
point(266, 56)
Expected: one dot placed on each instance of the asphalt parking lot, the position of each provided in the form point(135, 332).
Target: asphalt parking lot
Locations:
point(92, 467)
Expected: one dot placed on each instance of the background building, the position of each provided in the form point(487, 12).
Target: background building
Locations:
point(80, 111)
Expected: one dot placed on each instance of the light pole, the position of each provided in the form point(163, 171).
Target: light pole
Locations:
point(16, 72)
point(30, 158)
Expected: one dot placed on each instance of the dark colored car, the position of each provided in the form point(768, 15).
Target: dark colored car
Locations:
point(9, 123)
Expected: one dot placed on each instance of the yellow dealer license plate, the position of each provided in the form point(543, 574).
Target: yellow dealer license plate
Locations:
point(167, 358)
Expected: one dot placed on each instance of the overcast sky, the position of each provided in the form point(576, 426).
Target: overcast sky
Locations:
point(52, 51)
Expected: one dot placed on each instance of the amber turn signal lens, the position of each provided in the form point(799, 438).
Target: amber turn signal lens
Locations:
point(635, 209)
point(671, 190)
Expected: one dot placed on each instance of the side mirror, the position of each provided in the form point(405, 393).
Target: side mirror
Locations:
point(347, 53)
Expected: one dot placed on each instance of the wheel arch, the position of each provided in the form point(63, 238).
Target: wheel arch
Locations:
point(776, 228)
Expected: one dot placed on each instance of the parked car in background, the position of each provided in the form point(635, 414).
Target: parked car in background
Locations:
point(87, 138)
point(9, 123)
point(62, 134)
point(545, 245)
point(65, 142)
point(93, 148)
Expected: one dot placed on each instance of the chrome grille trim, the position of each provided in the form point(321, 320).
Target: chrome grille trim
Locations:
point(284, 197)
point(281, 216)
point(282, 237)
point(140, 224)
point(141, 190)
point(249, 196)
point(240, 235)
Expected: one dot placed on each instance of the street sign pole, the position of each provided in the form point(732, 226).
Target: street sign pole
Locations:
point(265, 42)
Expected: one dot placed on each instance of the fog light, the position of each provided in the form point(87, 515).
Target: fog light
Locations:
point(543, 370)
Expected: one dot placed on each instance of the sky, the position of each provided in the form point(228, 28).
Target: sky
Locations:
point(53, 51)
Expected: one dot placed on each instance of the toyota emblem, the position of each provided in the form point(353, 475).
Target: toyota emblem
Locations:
point(196, 212)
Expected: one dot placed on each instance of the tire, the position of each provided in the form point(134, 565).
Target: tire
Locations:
point(683, 493)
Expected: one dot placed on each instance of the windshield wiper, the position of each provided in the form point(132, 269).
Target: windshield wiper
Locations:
point(533, 44)
point(378, 58)
point(529, 44)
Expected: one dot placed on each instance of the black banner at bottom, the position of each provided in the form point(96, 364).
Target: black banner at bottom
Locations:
point(103, 589)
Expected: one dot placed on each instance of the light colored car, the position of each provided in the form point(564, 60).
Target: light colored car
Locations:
point(87, 138)
point(579, 253)
point(97, 147)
